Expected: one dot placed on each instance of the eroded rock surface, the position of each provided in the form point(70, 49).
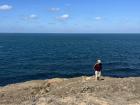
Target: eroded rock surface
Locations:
point(74, 91)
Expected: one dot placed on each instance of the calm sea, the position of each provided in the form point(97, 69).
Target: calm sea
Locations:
point(26, 57)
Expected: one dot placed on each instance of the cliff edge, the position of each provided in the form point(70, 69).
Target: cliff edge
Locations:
point(74, 91)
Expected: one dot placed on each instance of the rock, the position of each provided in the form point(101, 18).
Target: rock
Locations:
point(74, 91)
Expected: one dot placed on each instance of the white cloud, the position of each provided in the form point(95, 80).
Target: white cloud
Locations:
point(54, 9)
point(5, 7)
point(63, 17)
point(31, 17)
point(98, 18)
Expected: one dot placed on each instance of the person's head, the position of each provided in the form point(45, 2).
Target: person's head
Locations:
point(98, 61)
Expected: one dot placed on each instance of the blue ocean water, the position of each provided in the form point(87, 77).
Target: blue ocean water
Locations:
point(26, 57)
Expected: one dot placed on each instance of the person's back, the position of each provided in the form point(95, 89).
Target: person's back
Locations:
point(98, 69)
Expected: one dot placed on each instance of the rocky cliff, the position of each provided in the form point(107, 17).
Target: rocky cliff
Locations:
point(73, 91)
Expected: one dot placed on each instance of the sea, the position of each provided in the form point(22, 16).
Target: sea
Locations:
point(35, 56)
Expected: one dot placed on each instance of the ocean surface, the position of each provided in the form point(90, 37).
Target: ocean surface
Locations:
point(26, 57)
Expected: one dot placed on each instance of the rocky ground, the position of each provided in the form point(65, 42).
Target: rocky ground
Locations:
point(74, 91)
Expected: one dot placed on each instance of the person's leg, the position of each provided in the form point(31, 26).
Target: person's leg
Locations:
point(99, 75)
point(96, 75)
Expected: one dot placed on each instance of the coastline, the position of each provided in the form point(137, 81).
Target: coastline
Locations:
point(74, 91)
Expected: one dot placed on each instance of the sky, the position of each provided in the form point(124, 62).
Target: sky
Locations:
point(69, 16)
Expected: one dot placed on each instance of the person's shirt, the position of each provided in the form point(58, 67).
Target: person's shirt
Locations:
point(98, 67)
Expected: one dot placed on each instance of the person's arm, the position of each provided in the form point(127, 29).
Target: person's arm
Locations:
point(94, 67)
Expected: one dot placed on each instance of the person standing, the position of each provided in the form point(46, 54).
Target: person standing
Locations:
point(98, 68)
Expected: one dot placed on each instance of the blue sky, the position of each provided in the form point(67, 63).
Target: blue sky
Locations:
point(70, 16)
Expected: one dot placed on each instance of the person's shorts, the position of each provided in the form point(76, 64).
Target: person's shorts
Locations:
point(97, 73)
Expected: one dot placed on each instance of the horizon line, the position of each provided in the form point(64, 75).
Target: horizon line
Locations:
point(62, 33)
